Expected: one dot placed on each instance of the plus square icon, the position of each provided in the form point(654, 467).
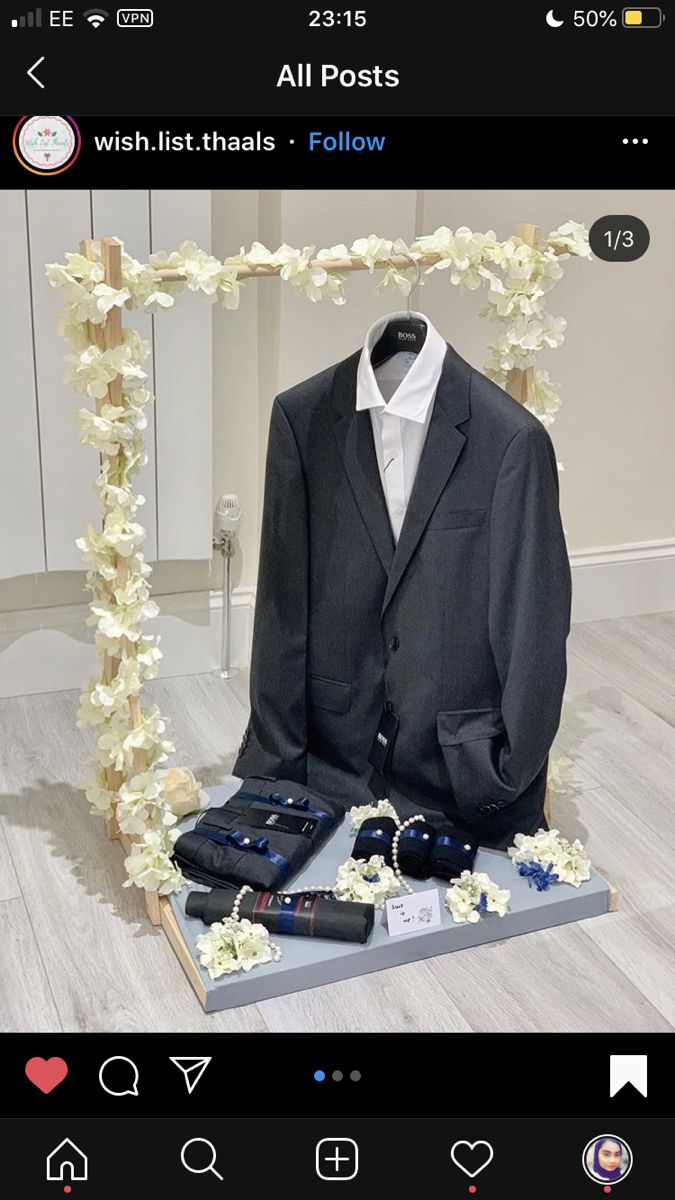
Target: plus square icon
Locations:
point(337, 1159)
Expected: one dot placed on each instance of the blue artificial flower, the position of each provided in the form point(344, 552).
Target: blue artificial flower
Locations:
point(535, 874)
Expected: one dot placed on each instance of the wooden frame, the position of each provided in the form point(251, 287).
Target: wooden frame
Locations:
point(108, 335)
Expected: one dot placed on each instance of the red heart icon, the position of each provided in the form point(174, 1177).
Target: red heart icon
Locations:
point(46, 1074)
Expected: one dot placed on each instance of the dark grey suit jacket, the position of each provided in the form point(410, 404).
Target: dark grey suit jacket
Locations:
point(461, 627)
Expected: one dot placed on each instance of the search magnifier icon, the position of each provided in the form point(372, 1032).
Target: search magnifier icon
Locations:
point(193, 1167)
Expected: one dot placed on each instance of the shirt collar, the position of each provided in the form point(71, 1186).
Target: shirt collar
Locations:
point(415, 393)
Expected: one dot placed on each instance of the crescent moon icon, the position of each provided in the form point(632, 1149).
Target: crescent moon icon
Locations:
point(551, 20)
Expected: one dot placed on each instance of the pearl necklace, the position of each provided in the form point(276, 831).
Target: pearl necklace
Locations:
point(394, 851)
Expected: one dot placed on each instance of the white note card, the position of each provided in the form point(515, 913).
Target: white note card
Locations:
point(408, 913)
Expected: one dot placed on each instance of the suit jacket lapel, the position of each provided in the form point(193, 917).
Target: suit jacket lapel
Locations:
point(442, 448)
point(354, 434)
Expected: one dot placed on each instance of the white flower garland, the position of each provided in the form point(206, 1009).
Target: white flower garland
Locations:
point(473, 894)
point(568, 861)
point(517, 278)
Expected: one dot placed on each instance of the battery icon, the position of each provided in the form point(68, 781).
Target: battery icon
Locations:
point(642, 18)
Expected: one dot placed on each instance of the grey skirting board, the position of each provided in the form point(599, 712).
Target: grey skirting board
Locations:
point(310, 962)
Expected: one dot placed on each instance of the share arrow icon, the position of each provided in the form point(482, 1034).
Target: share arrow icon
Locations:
point(193, 1069)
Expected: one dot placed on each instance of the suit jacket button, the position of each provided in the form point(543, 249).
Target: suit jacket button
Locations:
point(394, 643)
point(389, 706)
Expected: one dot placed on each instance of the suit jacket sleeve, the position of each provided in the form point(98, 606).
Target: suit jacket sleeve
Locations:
point(275, 742)
point(529, 618)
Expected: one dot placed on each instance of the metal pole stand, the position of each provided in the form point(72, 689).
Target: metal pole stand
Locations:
point(226, 543)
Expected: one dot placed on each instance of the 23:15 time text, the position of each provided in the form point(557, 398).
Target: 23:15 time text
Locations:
point(327, 17)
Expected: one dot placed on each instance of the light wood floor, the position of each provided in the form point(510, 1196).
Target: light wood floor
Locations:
point(77, 954)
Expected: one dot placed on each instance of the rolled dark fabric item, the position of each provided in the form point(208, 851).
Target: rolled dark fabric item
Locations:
point(376, 836)
point(308, 914)
point(454, 851)
point(415, 847)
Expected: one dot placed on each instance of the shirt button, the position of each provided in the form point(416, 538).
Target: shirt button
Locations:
point(394, 643)
point(398, 512)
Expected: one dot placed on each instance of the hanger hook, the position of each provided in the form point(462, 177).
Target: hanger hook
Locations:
point(415, 263)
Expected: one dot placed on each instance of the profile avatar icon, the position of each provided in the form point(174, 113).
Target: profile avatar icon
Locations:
point(607, 1159)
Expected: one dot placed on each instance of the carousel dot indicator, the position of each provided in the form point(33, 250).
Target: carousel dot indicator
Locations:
point(337, 1077)
point(319, 1076)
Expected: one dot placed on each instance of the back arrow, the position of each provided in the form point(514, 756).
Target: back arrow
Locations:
point(31, 69)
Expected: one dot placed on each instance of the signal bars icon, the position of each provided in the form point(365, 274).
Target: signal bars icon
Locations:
point(31, 20)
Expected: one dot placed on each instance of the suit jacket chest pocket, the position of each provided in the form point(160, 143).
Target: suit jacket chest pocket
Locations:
point(456, 518)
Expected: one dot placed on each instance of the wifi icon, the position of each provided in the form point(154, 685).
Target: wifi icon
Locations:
point(95, 16)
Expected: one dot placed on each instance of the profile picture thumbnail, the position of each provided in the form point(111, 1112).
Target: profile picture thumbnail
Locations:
point(607, 1159)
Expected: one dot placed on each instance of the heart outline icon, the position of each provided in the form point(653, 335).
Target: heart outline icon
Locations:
point(472, 1146)
point(46, 1074)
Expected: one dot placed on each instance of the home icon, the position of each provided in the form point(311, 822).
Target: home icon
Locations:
point(67, 1158)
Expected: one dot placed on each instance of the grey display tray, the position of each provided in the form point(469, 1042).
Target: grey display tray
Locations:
point(310, 962)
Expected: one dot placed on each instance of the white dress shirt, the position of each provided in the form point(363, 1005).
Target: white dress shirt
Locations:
point(400, 395)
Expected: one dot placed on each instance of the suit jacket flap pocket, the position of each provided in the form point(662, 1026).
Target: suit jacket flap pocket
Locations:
point(457, 518)
point(468, 725)
point(329, 693)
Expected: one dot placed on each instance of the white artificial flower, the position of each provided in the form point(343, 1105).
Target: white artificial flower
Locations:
point(112, 427)
point(569, 860)
point(202, 270)
point(183, 794)
point(363, 812)
point(96, 550)
point(232, 945)
point(257, 256)
point(123, 535)
point(100, 797)
point(404, 279)
point(333, 253)
point(474, 893)
point(229, 289)
point(141, 801)
point(370, 882)
point(542, 399)
point(371, 250)
point(108, 297)
point(122, 621)
point(99, 699)
point(571, 237)
point(116, 746)
point(148, 655)
point(93, 370)
point(149, 865)
point(158, 299)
